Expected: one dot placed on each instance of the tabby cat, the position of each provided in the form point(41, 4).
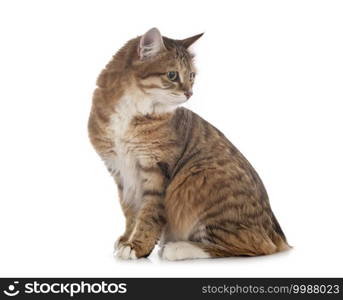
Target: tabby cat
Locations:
point(180, 181)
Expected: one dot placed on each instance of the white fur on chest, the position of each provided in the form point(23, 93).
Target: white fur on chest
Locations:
point(124, 164)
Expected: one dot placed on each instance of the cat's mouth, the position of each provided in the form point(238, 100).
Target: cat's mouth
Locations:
point(170, 98)
point(182, 97)
point(177, 98)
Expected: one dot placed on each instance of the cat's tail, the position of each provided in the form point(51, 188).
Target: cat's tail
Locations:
point(182, 250)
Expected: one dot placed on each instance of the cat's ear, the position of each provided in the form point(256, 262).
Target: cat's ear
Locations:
point(150, 44)
point(191, 40)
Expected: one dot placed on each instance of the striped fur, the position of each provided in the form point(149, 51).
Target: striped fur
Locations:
point(179, 179)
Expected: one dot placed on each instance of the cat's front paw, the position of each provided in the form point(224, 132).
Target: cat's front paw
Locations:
point(119, 242)
point(133, 249)
point(126, 251)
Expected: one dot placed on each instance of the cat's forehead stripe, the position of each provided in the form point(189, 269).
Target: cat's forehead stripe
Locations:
point(183, 56)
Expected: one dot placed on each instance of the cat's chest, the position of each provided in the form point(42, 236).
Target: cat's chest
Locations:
point(133, 148)
point(124, 164)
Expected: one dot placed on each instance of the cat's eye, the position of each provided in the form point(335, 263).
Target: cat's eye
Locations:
point(192, 75)
point(173, 75)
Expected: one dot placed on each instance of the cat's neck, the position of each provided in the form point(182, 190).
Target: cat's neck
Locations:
point(136, 106)
point(134, 103)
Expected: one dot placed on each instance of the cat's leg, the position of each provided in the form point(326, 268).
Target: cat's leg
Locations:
point(150, 219)
point(147, 230)
point(129, 214)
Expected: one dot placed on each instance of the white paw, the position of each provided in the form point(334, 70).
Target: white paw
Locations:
point(126, 252)
point(182, 250)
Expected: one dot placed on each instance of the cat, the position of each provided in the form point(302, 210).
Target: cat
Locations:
point(180, 181)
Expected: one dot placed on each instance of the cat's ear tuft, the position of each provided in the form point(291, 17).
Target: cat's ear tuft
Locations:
point(191, 40)
point(150, 44)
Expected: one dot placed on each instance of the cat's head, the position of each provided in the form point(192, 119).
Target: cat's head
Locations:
point(163, 68)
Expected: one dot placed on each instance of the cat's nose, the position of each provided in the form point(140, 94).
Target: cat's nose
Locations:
point(188, 94)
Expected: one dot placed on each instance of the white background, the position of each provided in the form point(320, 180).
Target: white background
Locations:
point(270, 77)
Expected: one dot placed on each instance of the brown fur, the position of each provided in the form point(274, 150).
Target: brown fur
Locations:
point(195, 185)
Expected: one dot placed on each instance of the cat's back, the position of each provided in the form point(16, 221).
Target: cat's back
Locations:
point(204, 144)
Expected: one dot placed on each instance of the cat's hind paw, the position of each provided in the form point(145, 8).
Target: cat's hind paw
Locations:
point(181, 251)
